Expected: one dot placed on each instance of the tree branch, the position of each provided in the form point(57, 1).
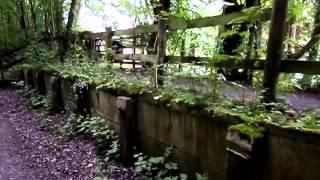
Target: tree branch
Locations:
point(312, 42)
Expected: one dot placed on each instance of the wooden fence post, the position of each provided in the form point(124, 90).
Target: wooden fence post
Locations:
point(127, 118)
point(162, 40)
point(92, 45)
point(161, 43)
point(108, 41)
point(275, 48)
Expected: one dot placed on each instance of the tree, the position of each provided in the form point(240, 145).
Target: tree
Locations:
point(73, 16)
point(275, 49)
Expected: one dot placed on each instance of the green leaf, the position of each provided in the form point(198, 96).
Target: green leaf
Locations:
point(171, 166)
point(156, 160)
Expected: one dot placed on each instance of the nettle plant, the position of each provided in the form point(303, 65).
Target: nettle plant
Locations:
point(97, 129)
point(157, 167)
point(37, 100)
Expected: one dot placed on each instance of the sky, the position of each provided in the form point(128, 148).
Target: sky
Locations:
point(110, 16)
point(97, 22)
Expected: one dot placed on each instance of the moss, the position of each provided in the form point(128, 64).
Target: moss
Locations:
point(226, 109)
point(251, 131)
point(315, 131)
point(223, 111)
point(300, 129)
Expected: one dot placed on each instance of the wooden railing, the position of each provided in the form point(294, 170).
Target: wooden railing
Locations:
point(177, 23)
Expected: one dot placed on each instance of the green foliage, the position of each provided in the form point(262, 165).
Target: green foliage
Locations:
point(157, 167)
point(248, 130)
point(286, 83)
point(95, 128)
point(23, 21)
point(201, 177)
point(37, 100)
point(307, 120)
point(181, 97)
point(309, 82)
point(37, 56)
point(140, 10)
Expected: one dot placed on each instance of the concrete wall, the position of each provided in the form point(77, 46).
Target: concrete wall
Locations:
point(104, 104)
point(291, 154)
point(200, 139)
point(68, 95)
point(8, 76)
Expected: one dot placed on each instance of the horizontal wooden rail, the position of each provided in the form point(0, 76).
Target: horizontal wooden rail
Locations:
point(137, 30)
point(179, 23)
point(287, 66)
point(139, 57)
point(176, 23)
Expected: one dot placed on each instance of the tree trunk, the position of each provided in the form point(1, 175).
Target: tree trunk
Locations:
point(73, 15)
point(275, 49)
point(33, 15)
point(20, 5)
point(162, 42)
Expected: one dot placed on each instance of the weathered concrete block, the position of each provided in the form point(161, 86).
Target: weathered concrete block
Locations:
point(291, 154)
point(40, 82)
point(104, 104)
point(54, 93)
point(128, 129)
point(196, 134)
point(240, 163)
point(82, 99)
point(68, 95)
point(29, 78)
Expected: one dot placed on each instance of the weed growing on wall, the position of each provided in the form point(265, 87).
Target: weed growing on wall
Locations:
point(103, 76)
point(157, 167)
point(37, 100)
point(94, 128)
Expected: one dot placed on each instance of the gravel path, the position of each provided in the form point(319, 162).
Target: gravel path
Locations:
point(29, 153)
point(299, 101)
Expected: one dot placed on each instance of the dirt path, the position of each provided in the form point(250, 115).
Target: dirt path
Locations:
point(29, 153)
point(10, 160)
point(299, 101)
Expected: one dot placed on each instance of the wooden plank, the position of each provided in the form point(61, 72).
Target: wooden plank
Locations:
point(303, 67)
point(140, 57)
point(161, 52)
point(286, 66)
point(186, 59)
point(137, 30)
point(176, 23)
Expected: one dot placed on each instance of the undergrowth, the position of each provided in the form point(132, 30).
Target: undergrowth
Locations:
point(102, 75)
point(157, 167)
point(107, 142)
point(37, 100)
point(94, 128)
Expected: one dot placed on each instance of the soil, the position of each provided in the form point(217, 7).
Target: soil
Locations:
point(28, 152)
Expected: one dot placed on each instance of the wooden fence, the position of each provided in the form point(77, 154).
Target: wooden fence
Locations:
point(177, 23)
